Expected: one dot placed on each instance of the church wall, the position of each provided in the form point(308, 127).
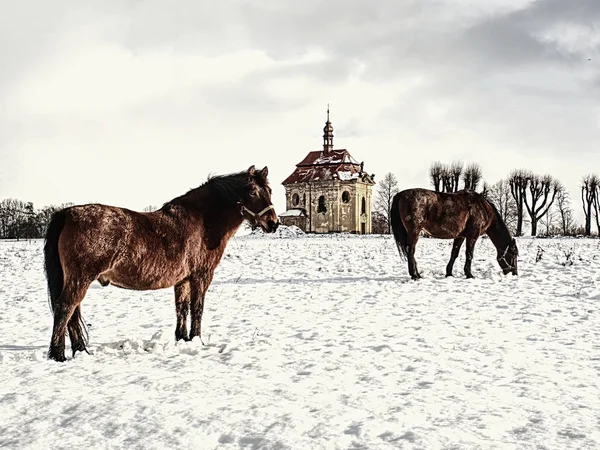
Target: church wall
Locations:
point(343, 211)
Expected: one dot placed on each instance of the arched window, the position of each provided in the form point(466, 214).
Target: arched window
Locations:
point(363, 207)
point(345, 196)
point(295, 199)
point(321, 207)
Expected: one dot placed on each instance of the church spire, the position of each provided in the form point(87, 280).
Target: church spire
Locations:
point(327, 135)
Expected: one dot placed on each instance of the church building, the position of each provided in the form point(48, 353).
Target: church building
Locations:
point(329, 191)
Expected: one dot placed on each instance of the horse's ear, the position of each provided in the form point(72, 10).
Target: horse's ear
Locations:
point(264, 173)
point(251, 170)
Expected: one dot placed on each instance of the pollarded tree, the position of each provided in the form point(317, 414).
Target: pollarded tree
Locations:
point(454, 174)
point(518, 180)
point(589, 198)
point(541, 193)
point(436, 171)
point(386, 189)
point(472, 176)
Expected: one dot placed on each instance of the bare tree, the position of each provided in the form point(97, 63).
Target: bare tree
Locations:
point(541, 194)
point(447, 182)
point(472, 176)
point(386, 189)
point(456, 169)
point(436, 170)
point(150, 208)
point(500, 194)
point(549, 224)
point(518, 180)
point(597, 207)
point(589, 200)
point(566, 217)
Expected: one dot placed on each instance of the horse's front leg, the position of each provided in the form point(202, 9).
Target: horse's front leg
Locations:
point(182, 307)
point(199, 284)
point(469, 256)
point(455, 251)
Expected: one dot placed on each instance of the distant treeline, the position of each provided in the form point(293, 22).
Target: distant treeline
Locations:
point(523, 198)
point(20, 220)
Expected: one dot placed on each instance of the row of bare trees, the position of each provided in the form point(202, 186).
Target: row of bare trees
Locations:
point(447, 177)
point(524, 198)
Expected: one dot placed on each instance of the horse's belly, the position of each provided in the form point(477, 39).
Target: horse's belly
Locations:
point(440, 233)
point(138, 281)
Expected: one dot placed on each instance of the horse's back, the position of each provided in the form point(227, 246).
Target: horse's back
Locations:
point(443, 215)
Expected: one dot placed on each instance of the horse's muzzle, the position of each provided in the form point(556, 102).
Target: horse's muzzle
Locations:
point(272, 226)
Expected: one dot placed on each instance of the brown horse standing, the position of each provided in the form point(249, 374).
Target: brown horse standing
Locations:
point(463, 215)
point(179, 245)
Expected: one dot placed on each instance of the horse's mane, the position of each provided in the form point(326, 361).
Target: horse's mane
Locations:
point(499, 221)
point(223, 189)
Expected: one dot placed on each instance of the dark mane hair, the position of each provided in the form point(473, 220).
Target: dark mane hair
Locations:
point(499, 221)
point(229, 188)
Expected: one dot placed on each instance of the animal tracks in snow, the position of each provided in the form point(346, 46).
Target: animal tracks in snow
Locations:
point(326, 343)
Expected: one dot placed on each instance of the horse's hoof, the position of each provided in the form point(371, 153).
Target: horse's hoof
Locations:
point(449, 275)
point(182, 338)
point(57, 358)
point(80, 349)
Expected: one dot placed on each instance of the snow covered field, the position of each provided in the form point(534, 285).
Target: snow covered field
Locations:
point(317, 343)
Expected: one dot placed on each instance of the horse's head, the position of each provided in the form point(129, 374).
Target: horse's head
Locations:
point(256, 206)
point(508, 259)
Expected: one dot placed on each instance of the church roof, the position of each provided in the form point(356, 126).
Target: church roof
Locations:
point(321, 166)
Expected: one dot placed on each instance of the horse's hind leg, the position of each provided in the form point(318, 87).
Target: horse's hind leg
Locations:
point(469, 256)
point(455, 251)
point(412, 262)
point(182, 307)
point(77, 331)
point(66, 304)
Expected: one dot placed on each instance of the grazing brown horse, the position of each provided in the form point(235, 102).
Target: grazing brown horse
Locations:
point(463, 215)
point(179, 245)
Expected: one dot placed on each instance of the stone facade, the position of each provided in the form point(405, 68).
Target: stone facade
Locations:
point(329, 192)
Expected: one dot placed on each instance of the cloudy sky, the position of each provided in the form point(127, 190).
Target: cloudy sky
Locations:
point(132, 103)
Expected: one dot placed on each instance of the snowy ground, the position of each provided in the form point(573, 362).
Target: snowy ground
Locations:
point(317, 343)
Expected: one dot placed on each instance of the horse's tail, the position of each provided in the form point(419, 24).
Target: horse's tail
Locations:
point(52, 264)
point(400, 234)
